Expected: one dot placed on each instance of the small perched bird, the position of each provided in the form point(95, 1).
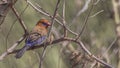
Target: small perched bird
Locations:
point(35, 37)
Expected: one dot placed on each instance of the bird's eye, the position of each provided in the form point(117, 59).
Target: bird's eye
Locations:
point(45, 24)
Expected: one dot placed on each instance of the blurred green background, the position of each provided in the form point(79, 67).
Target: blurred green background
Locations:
point(98, 35)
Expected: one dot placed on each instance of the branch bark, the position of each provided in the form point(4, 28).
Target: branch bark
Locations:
point(11, 49)
point(20, 20)
point(80, 43)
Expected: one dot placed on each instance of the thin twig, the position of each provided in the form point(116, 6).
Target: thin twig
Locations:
point(96, 2)
point(52, 20)
point(92, 56)
point(113, 42)
point(96, 13)
point(85, 7)
point(86, 19)
point(13, 25)
point(63, 18)
point(11, 49)
point(49, 33)
point(20, 20)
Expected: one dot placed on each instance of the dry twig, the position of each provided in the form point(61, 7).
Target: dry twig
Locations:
point(20, 20)
point(49, 33)
point(11, 49)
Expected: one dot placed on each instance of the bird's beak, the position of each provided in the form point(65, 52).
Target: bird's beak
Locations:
point(49, 24)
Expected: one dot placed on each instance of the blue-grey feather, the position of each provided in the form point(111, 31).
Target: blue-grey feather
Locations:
point(36, 42)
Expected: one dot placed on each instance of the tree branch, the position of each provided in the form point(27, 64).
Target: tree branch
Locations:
point(20, 20)
point(49, 33)
point(11, 49)
point(85, 22)
point(80, 43)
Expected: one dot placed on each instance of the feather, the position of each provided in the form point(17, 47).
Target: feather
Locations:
point(21, 52)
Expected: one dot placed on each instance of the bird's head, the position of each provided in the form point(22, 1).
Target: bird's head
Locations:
point(44, 23)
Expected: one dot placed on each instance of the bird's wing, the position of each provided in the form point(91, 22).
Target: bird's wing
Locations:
point(35, 39)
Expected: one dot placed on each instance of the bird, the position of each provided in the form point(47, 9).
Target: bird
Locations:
point(35, 37)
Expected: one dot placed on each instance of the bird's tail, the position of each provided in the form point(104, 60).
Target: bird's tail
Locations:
point(21, 52)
